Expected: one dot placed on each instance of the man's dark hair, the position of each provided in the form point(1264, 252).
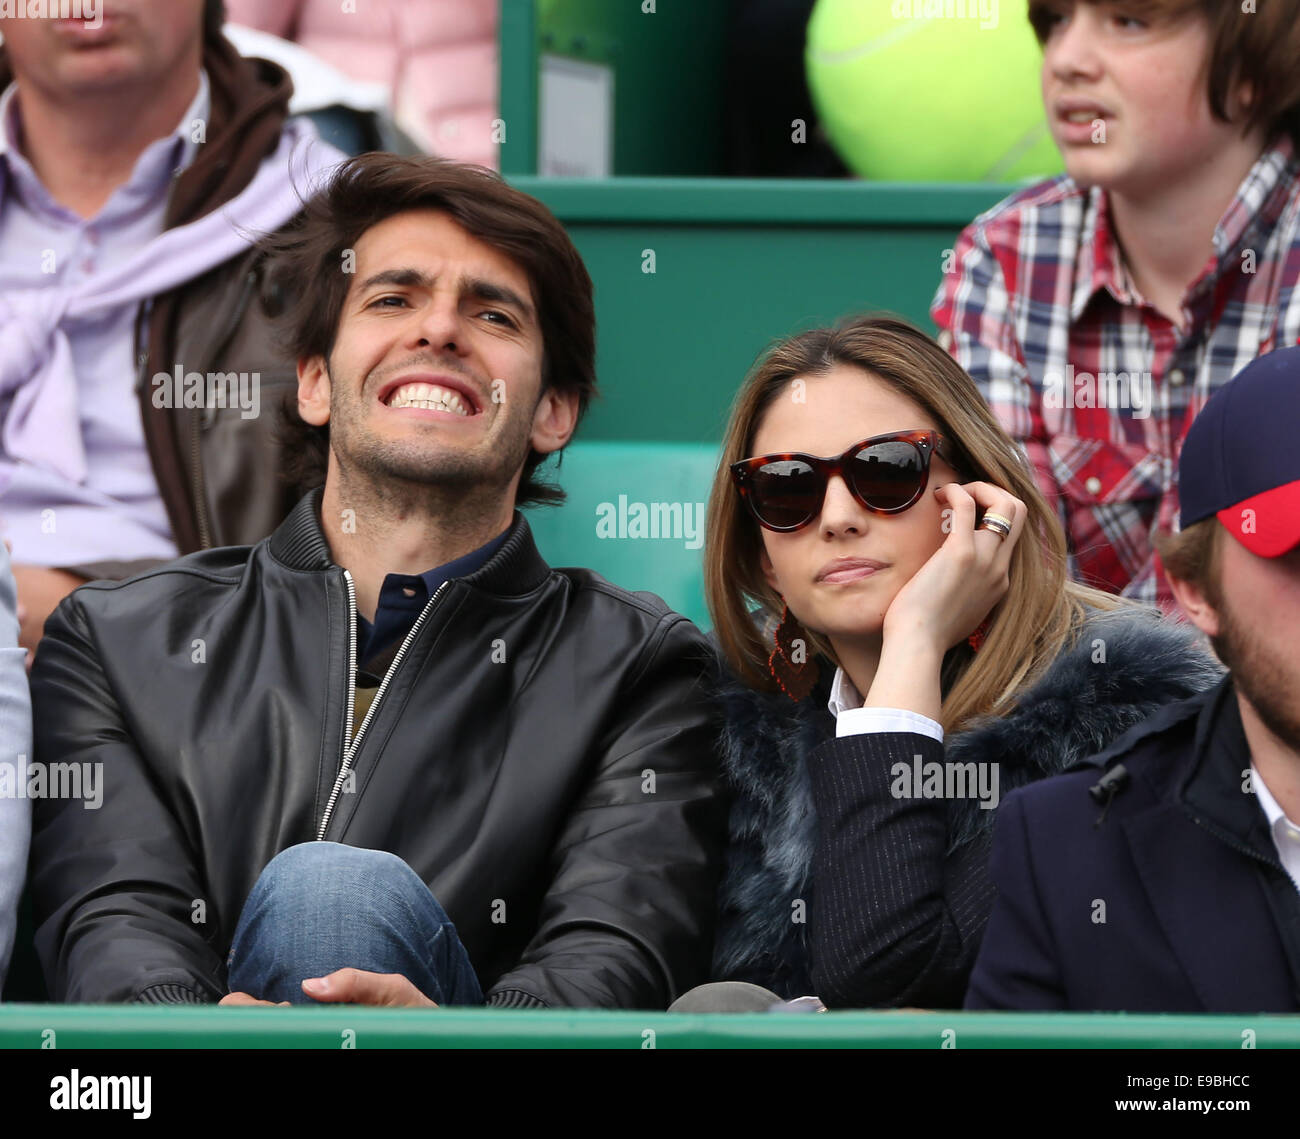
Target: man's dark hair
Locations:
point(370, 188)
point(214, 15)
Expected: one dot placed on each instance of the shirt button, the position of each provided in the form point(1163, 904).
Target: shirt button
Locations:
point(1093, 485)
point(1176, 377)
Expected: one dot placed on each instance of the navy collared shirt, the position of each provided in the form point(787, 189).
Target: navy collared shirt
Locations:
point(403, 596)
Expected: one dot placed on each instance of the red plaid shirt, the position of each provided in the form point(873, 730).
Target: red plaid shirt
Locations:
point(1038, 286)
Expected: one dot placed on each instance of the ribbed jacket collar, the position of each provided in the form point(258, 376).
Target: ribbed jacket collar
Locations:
point(516, 568)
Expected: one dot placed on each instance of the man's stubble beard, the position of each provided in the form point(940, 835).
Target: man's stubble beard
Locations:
point(1260, 679)
point(410, 468)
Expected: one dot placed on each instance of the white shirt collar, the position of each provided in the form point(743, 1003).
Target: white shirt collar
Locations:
point(1272, 811)
point(844, 695)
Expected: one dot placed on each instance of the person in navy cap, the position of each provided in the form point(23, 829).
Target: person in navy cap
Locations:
point(1162, 875)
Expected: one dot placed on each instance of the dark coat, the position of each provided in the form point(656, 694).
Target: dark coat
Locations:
point(1172, 899)
point(771, 746)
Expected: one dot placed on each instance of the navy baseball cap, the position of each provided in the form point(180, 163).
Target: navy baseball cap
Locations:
point(1240, 461)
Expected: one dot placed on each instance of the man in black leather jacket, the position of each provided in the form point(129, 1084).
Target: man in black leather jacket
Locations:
point(535, 746)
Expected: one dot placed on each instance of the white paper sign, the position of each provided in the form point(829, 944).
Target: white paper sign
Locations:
point(576, 118)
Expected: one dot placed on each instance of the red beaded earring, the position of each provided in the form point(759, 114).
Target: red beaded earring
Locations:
point(977, 638)
point(795, 677)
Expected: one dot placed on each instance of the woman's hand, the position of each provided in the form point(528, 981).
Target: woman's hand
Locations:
point(946, 599)
point(963, 580)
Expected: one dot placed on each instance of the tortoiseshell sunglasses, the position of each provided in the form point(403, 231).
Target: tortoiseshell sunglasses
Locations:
point(886, 473)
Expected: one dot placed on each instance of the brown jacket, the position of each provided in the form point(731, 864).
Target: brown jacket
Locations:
point(218, 472)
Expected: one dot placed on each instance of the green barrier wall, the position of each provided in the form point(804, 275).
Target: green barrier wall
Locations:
point(88, 1026)
point(737, 264)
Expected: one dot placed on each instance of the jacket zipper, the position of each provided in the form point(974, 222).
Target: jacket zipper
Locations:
point(350, 748)
point(1240, 847)
point(208, 415)
point(200, 494)
point(141, 366)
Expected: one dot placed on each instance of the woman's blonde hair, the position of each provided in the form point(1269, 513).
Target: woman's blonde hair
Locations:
point(1041, 611)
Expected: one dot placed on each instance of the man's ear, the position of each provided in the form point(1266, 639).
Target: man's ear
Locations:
point(1244, 96)
point(554, 420)
point(1192, 600)
point(314, 390)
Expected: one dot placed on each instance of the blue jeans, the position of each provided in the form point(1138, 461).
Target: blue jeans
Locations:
point(321, 906)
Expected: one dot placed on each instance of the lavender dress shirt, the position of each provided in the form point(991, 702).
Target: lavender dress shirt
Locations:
point(117, 513)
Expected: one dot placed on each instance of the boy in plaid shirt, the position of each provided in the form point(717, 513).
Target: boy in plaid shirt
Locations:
point(1098, 311)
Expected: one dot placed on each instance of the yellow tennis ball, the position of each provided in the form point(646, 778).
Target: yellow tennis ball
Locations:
point(931, 90)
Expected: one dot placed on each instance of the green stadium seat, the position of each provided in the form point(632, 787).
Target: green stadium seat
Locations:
point(635, 514)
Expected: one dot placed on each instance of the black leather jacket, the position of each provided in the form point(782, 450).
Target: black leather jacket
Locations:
point(543, 753)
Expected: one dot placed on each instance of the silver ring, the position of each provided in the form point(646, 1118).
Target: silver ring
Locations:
point(995, 522)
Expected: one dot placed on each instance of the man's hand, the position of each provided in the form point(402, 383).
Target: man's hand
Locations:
point(357, 987)
point(245, 999)
point(350, 987)
point(40, 589)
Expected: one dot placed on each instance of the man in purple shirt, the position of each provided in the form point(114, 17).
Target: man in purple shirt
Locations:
point(140, 157)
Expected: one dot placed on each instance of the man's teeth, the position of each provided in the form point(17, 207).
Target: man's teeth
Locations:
point(430, 397)
point(1082, 116)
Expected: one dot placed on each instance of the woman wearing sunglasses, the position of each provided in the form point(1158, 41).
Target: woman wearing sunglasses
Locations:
point(917, 652)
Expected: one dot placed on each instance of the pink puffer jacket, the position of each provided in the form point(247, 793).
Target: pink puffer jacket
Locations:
point(439, 57)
